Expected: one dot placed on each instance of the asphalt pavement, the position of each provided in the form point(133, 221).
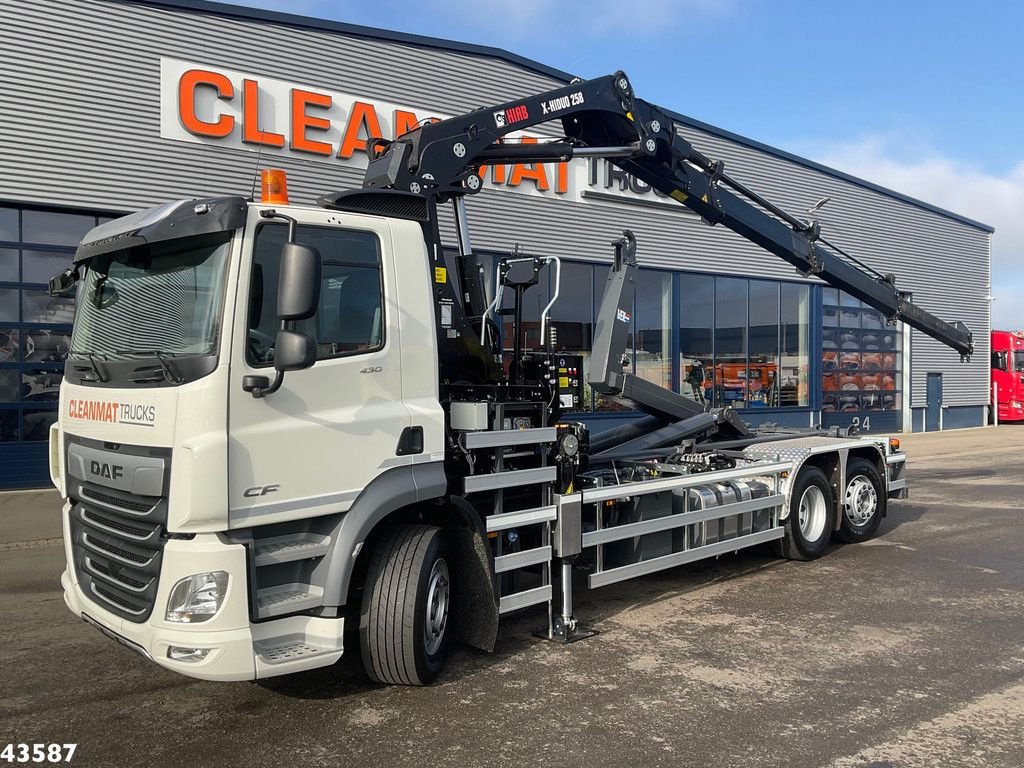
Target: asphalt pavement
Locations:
point(905, 651)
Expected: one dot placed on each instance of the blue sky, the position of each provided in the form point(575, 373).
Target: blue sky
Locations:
point(921, 97)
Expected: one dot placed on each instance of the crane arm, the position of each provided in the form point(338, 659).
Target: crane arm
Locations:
point(602, 117)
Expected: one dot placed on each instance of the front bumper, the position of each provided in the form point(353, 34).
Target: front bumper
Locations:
point(238, 648)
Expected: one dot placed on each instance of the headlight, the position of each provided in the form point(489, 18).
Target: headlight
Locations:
point(197, 598)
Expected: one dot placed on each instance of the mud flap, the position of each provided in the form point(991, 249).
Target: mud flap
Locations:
point(476, 602)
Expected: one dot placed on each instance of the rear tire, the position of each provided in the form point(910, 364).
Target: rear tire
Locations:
point(403, 625)
point(863, 502)
point(811, 517)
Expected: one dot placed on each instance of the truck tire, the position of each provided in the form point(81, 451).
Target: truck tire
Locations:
point(403, 623)
point(812, 512)
point(863, 502)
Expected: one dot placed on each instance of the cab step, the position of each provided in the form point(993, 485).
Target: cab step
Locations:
point(287, 598)
point(283, 650)
point(293, 546)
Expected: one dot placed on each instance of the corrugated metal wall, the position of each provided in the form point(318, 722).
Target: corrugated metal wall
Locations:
point(79, 100)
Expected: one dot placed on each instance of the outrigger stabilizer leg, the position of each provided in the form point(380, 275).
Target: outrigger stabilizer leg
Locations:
point(568, 540)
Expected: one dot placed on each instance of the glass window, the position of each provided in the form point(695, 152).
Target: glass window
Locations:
point(572, 318)
point(54, 228)
point(350, 316)
point(795, 335)
point(9, 265)
point(35, 423)
point(999, 361)
point(10, 385)
point(164, 297)
point(763, 366)
point(9, 225)
point(40, 266)
point(40, 384)
point(9, 344)
point(652, 324)
point(696, 336)
point(41, 307)
point(45, 345)
point(860, 359)
point(9, 425)
point(8, 305)
point(730, 374)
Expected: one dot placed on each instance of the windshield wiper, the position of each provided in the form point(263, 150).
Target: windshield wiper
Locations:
point(169, 373)
point(91, 357)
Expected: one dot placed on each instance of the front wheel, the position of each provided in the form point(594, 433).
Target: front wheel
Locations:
point(863, 502)
point(403, 624)
point(811, 514)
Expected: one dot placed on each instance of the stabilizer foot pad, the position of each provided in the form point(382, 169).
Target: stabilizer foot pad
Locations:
point(563, 633)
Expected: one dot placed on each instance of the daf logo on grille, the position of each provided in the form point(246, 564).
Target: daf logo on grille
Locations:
point(102, 469)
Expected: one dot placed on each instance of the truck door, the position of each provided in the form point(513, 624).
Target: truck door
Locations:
point(933, 403)
point(312, 446)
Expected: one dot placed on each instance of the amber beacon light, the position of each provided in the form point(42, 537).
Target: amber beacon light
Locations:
point(274, 187)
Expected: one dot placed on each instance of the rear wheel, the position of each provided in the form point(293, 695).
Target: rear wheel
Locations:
point(863, 502)
point(403, 624)
point(811, 513)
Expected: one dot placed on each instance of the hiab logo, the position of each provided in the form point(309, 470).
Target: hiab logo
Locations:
point(113, 413)
point(511, 115)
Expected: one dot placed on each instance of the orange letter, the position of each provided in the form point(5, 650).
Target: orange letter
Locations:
point(301, 121)
point(404, 122)
point(187, 103)
point(251, 133)
point(562, 183)
point(533, 171)
point(363, 116)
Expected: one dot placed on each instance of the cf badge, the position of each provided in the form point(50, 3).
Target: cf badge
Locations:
point(260, 490)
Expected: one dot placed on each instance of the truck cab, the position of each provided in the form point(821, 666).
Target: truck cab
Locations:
point(169, 461)
point(1008, 375)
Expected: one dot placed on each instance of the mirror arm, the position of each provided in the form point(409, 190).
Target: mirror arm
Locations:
point(270, 213)
point(260, 386)
point(257, 387)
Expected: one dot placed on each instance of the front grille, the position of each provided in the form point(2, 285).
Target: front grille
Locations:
point(136, 608)
point(132, 528)
point(117, 545)
point(124, 504)
point(110, 548)
point(103, 570)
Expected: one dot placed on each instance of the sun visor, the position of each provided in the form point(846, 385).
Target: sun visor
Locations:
point(182, 218)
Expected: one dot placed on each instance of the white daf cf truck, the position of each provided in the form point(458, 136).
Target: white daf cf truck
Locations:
point(286, 427)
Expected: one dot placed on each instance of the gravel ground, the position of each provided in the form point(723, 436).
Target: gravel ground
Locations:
point(904, 651)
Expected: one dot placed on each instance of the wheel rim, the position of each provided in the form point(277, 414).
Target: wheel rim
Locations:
point(861, 501)
point(811, 513)
point(438, 592)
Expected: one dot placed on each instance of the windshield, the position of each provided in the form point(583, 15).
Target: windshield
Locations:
point(1018, 359)
point(162, 298)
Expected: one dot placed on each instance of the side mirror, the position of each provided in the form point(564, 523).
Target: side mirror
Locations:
point(298, 289)
point(62, 284)
point(293, 351)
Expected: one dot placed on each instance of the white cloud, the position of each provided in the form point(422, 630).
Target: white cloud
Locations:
point(996, 199)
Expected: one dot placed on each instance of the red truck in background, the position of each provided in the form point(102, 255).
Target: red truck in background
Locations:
point(1008, 375)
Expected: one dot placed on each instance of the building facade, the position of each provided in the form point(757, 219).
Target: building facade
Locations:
point(112, 106)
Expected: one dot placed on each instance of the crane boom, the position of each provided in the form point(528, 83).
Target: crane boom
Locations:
point(602, 117)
